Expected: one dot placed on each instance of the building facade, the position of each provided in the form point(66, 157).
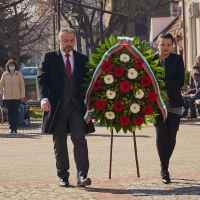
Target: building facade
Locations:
point(192, 31)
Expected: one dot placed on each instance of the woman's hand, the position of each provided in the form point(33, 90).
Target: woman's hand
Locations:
point(185, 93)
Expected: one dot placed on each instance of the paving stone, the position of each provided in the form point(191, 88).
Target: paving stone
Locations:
point(28, 166)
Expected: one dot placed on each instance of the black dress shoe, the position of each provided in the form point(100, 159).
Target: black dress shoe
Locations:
point(15, 131)
point(83, 181)
point(64, 182)
point(165, 177)
point(11, 131)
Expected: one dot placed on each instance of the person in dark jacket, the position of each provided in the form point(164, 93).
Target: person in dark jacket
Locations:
point(195, 69)
point(60, 89)
point(195, 94)
point(174, 78)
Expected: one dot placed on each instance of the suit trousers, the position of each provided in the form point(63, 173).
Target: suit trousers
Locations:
point(74, 119)
point(13, 113)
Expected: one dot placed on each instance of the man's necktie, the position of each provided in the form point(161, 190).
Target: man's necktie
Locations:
point(68, 66)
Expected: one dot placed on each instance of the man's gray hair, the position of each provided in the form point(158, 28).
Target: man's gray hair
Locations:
point(66, 30)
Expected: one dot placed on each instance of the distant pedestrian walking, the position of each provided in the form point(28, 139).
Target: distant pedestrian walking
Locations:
point(12, 85)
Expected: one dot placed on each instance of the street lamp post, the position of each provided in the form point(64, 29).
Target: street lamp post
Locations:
point(184, 33)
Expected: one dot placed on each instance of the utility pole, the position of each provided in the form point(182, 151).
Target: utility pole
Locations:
point(184, 33)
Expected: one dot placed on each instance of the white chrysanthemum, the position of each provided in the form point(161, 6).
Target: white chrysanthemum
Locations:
point(139, 94)
point(111, 94)
point(135, 108)
point(124, 57)
point(108, 79)
point(110, 115)
point(132, 73)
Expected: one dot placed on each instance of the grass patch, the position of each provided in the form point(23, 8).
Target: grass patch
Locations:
point(36, 114)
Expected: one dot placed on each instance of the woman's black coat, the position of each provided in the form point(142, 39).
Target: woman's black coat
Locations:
point(174, 78)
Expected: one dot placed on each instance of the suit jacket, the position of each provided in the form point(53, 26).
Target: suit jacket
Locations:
point(174, 78)
point(50, 82)
point(196, 90)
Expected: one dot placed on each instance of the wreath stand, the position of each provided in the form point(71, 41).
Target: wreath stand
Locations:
point(135, 150)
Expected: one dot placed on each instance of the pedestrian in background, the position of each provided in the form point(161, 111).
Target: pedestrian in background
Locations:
point(12, 85)
point(23, 114)
point(174, 78)
point(195, 70)
point(60, 89)
point(195, 94)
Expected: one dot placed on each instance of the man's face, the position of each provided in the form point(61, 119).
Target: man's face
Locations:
point(67, 42)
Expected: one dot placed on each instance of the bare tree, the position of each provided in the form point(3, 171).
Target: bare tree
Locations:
point(138, 11)
point(23, 26)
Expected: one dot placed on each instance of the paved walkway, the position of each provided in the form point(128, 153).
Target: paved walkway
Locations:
point(27, 166)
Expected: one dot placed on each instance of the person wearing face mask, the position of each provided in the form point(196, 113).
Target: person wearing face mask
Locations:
point(12, 85)
point(174, 78)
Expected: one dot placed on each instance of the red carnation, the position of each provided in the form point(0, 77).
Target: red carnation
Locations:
point(147, 110)
point(138, 64)
point(107, 66)
point(125, 86)
point(124, 121)
point(138, 121)
point(118, 106)
point(119, 72)
point(97, 85)
point(152, 97)
point(146, 81)
point(100, 104)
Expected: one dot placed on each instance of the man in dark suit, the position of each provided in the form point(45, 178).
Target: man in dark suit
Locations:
point(60, 89)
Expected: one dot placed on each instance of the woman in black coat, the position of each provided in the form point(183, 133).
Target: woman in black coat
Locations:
point(174, 78)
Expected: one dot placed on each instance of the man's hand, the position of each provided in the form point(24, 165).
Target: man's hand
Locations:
point(193, 95)
point(45, 105)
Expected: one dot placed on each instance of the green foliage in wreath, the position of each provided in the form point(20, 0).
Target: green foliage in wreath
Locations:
point(123, 97)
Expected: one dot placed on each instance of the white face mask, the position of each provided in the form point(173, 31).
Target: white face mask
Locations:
point(11, 68)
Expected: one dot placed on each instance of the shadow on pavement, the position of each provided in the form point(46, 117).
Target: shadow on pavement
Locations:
point(108, 190)
point(104, 135)
point(190, 122)
point(191, 190)
point(21, 135)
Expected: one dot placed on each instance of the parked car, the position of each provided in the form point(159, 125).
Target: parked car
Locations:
point(29, 74)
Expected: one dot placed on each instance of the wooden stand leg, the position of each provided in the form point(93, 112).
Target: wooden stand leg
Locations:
point(111, 147)
point(136, 158)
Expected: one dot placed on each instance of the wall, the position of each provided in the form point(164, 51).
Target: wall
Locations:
point(192, 35)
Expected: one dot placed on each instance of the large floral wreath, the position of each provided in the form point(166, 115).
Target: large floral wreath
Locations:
point(126, 87)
